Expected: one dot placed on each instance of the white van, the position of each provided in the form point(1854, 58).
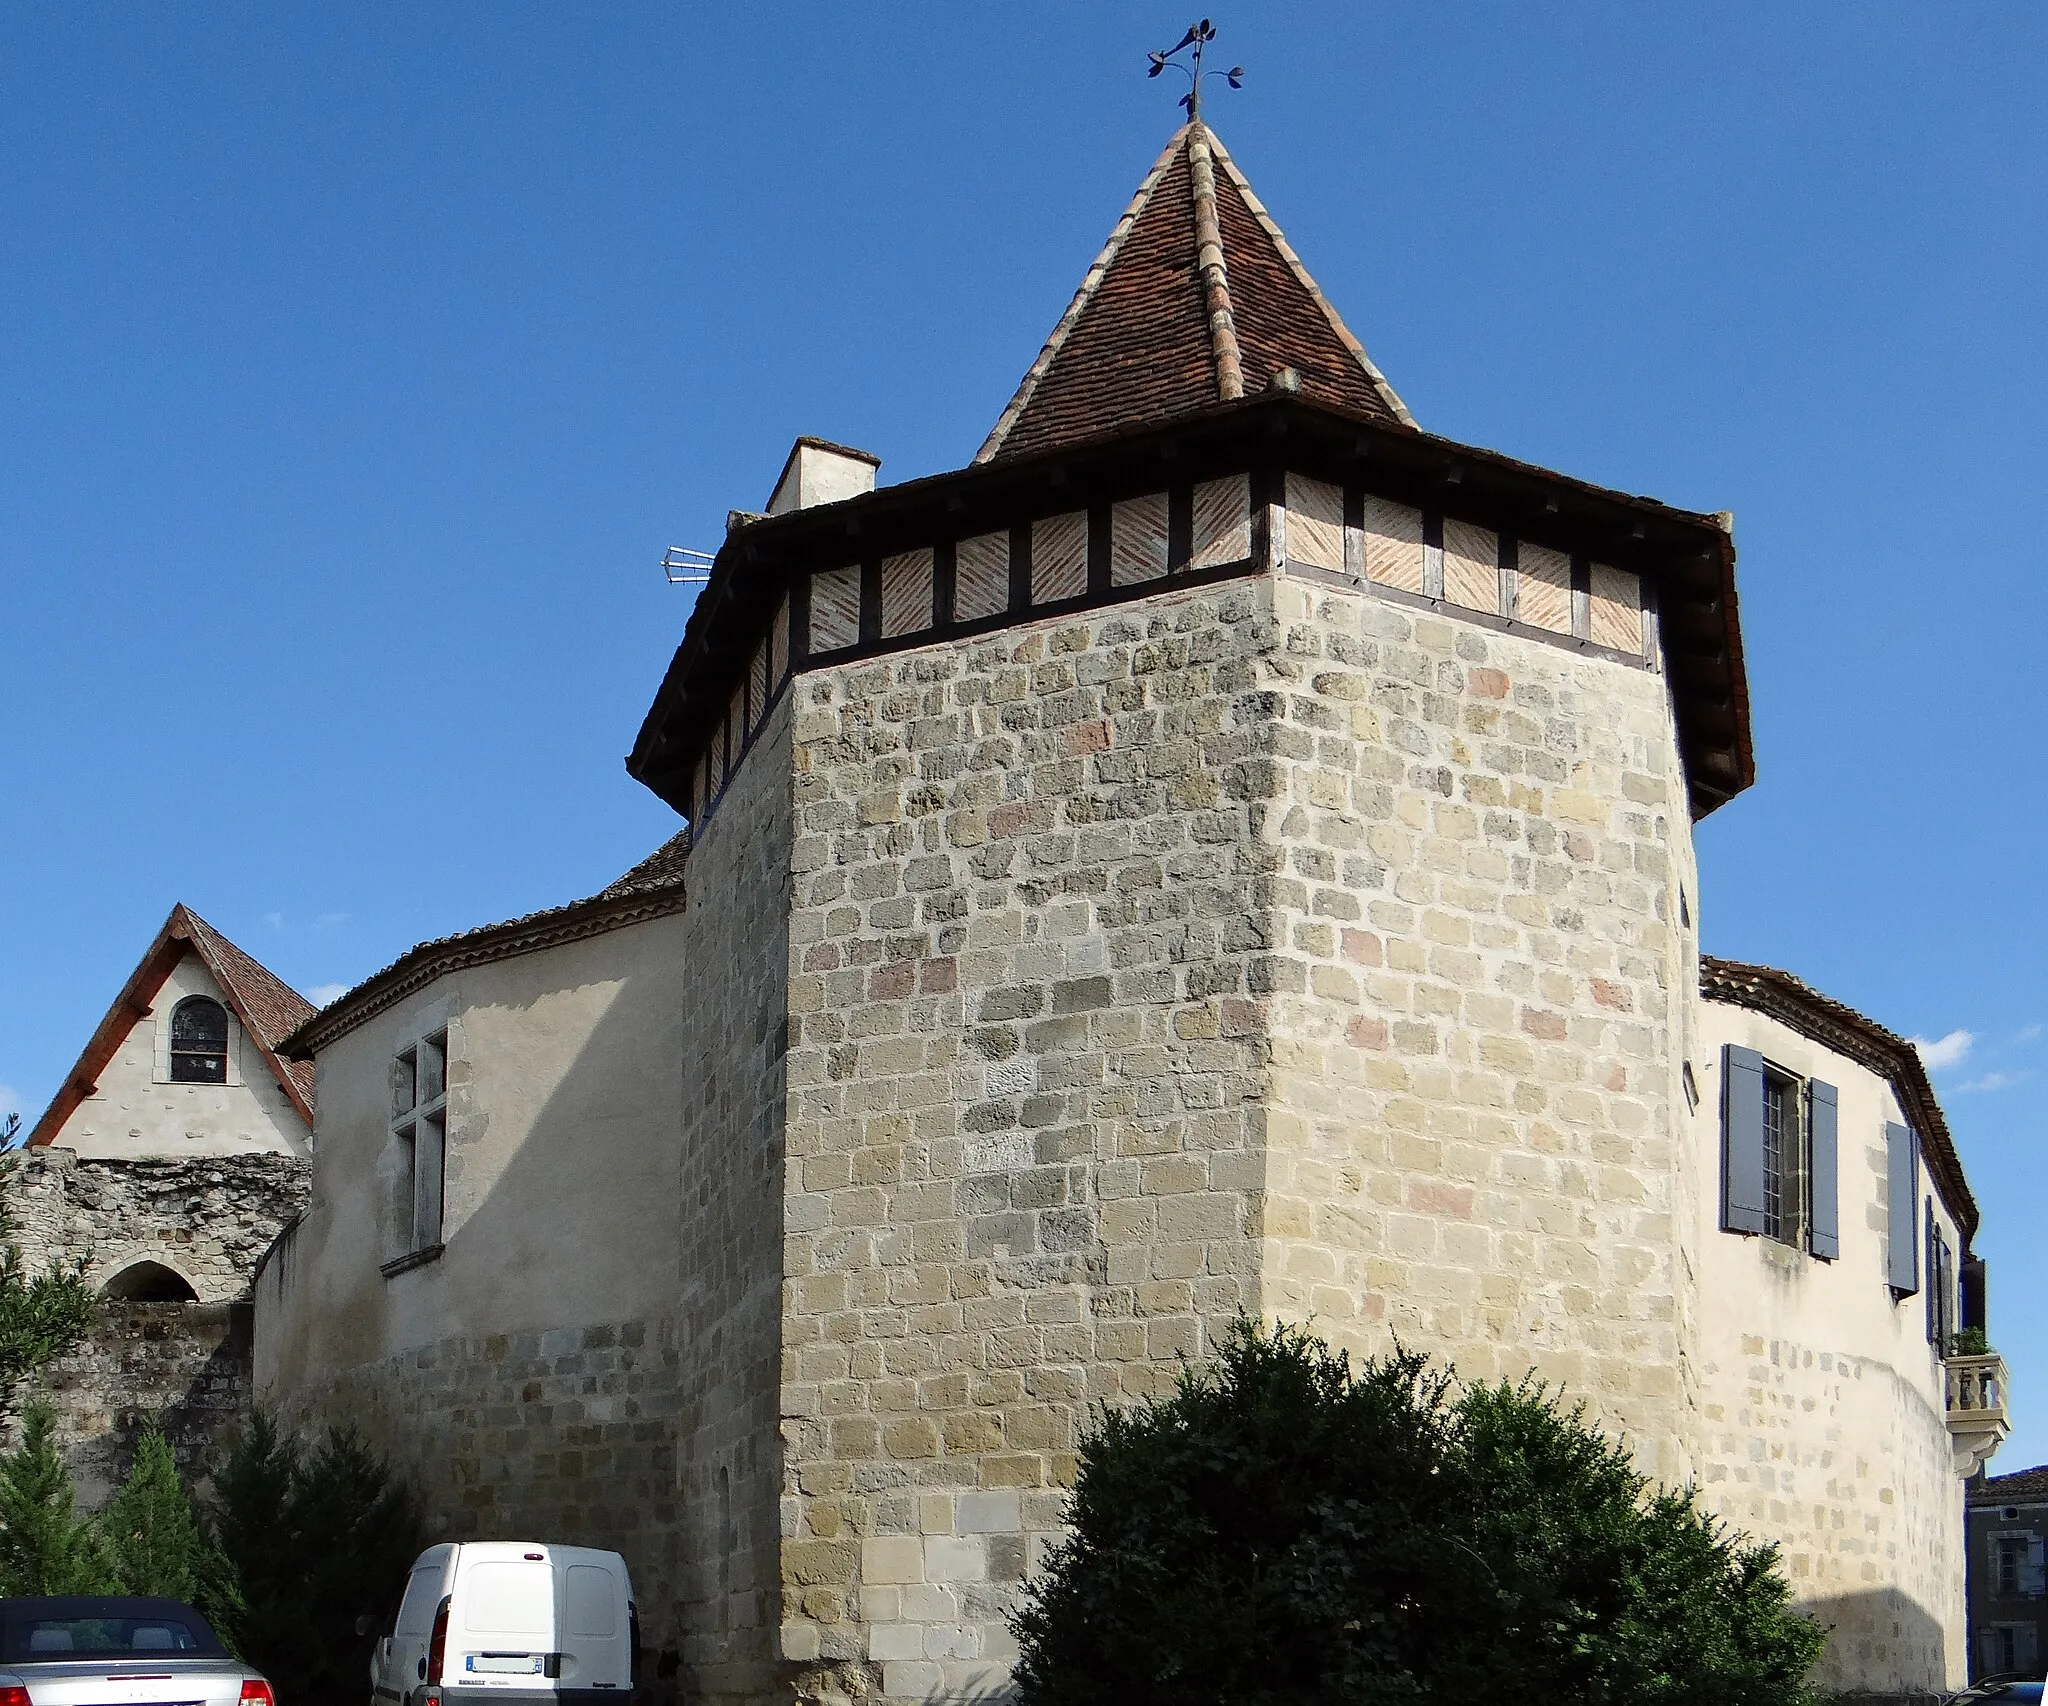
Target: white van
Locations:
point(509, 1623)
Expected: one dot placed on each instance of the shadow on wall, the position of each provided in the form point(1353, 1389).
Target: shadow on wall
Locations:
point(186, 1364)
point(1881, 1633)
point(570, 1383)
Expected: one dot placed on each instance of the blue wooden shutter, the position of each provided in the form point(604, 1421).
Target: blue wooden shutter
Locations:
point(1823, 1229)
point(1742, 1139)
point(1902, 1201)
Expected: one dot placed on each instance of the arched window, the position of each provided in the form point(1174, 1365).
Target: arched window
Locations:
point(149, 1282)
point(199, 1041)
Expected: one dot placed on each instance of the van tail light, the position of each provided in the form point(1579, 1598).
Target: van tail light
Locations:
point(16, 1695)
point(437, 1648)
point(257, 1693)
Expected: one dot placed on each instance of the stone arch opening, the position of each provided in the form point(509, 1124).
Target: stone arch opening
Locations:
point(149, 1282)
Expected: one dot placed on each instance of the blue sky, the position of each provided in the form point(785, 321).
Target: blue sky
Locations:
point(362, 360)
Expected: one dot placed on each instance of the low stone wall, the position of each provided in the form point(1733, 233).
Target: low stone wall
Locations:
point(186, 1364)
point(189, 1363)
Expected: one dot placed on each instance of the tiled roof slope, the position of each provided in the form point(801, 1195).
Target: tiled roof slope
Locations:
point(651, 889)
point(1151, 334)
point(267, 1008)
point(270, 1009)
point(2028, 1484)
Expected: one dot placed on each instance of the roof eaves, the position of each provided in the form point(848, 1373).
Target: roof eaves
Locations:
point(1091, 281)
point(419, 966)
point(1838, 1025)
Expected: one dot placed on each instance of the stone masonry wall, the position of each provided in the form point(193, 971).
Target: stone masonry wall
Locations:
point(566, 1436)
point(1024, 1072)
point(1470, 1000)
point(209, 1221)
point(188, 1364)
point(729, 1256)
point(185, 1365)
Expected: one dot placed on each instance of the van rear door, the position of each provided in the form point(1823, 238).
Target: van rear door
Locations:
point(503, 1633)
point(597, 1635)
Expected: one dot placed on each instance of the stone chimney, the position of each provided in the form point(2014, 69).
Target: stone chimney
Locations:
point(819, 472)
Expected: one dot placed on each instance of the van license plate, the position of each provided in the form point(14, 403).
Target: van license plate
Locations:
point(516, 1664)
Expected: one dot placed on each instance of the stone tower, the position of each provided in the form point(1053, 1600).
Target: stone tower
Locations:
point(1225, 849)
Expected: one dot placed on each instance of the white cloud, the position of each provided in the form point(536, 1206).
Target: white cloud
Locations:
point(10, 1103)
point(2028, 1033)
point(322, 993)
point(274, 919)
point(1990, 1081)
point(1943, 1052)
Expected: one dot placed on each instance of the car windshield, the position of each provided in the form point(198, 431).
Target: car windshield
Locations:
point(113, 1631)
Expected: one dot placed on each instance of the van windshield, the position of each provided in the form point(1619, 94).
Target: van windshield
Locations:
point(510, 1599)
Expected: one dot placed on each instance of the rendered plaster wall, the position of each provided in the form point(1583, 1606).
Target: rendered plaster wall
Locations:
point(526, 1378)
point(1822, 1403)
point(1478, 839)
point(137, 1111)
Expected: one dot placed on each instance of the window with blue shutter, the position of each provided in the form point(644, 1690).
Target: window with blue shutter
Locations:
point(1902, 1203)
point(1823, 1229)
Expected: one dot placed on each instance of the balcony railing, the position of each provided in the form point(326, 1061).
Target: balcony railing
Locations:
point(1977, 1421)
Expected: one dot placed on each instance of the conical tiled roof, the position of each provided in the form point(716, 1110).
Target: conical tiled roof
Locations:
point(1196, 299)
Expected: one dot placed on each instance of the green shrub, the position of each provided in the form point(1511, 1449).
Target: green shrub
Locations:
point(153, 1538)
point(1285, 1529)
point(313, 1541)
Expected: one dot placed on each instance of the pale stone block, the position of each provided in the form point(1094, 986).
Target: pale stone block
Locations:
point(800, 1642)
point(919, 1681)
point(948, 1558)
point(896, 1641)
point(892, 1558)
point(989, 1513)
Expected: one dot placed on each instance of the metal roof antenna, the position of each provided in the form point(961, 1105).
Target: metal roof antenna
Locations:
point(1199, 36)
point(685, 567)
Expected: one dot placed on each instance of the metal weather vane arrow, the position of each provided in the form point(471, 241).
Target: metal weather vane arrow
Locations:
point(1199, 36)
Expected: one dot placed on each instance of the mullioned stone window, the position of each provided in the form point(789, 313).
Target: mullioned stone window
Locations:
point(419, 1135)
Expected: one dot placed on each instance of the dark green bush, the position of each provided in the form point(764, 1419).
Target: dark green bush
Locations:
point(1287, 1529)
point(313, 1541)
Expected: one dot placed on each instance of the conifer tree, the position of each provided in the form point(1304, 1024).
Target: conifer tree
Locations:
point(153, 1537)
point(45, 1546)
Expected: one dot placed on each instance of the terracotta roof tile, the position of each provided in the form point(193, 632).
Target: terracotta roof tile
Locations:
point(269, 1007)
point(1140, 344)
point(2004, 1489)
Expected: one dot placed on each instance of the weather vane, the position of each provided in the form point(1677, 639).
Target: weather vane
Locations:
point(1198, 36)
